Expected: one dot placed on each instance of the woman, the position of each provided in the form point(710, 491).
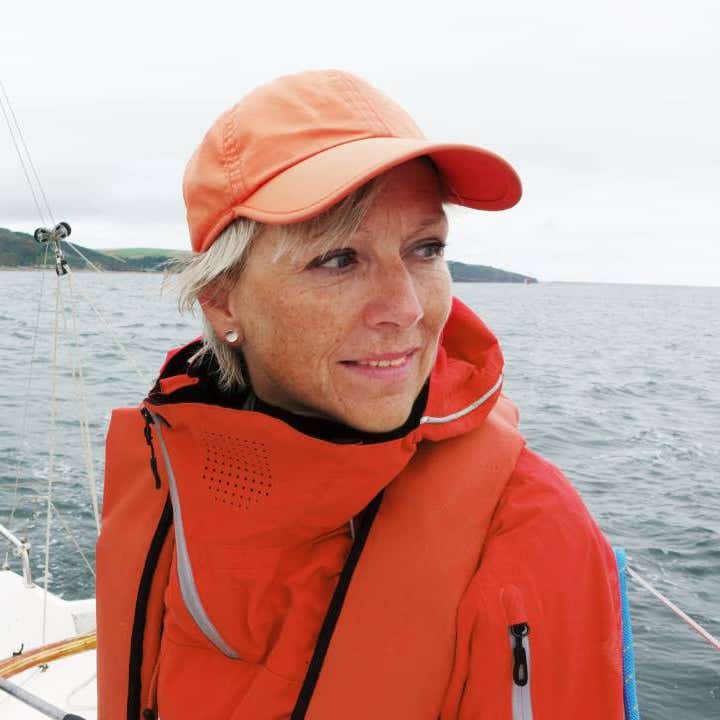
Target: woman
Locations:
point(324, 508)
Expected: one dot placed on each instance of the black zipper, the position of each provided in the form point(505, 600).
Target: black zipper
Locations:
point(147, 432)
point(520, 665)
point(140, 618)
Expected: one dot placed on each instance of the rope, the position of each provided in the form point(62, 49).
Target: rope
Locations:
point(76, 690)
point(73, 538)
point(145, 381)
point(23, 424)
point(51, 455)
point(84, 257)
point(694, 625)
point(77, 371)
point(18, 151)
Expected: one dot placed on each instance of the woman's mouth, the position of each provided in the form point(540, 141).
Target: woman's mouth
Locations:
point(389, 366)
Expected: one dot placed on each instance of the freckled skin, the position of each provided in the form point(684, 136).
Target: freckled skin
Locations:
point(297, 324)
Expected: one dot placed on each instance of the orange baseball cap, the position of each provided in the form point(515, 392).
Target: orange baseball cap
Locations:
point(294, 147)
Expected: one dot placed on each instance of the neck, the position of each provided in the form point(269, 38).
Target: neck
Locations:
point(332, 430)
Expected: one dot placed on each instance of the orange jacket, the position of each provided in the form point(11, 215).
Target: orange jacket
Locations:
point(477, 584)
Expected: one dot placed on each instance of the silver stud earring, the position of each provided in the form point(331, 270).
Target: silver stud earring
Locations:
point(231, 336)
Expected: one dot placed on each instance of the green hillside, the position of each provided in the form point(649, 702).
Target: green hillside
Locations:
point(463, 272)
point(19, 250)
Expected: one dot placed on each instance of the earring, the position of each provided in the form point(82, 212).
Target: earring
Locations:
point(231, 335)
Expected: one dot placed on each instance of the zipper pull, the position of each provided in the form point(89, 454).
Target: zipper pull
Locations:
point(520, 667)
point(148, 439)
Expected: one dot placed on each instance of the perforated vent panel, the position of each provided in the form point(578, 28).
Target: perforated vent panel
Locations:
point(236, 471)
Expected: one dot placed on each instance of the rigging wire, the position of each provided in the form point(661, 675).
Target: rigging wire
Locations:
point(26, 405)
point(83, 256)
point(27, 161)
point(692, 623)
point(72, 537)
point(18, 151)
point(75, 365)
point(143, 378)
point(79, 688)
point(27, 152)
point(51, 455)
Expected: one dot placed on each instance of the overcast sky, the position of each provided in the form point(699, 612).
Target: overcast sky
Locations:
point(609, 111)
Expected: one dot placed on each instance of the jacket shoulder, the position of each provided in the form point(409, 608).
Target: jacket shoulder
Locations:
point(545, 564)
point(539, 498)
point(543, 537)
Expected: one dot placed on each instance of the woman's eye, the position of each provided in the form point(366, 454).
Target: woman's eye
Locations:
point(338, 260)
point(436, 248)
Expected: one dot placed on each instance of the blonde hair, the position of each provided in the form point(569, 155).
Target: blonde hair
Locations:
point(221, 265)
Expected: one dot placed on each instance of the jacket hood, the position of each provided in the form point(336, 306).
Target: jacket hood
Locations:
point(466, 381)
point(338, 480)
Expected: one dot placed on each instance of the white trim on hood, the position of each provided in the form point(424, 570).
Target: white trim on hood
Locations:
point(460, 413)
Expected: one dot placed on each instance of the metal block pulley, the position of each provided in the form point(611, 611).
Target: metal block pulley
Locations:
point(60, 232)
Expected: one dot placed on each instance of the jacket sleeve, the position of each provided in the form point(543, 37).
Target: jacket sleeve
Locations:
point(546, 569)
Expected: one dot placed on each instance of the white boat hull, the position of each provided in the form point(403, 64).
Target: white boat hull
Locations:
point(67, 682)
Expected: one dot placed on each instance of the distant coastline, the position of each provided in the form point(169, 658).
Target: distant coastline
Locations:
point(19, 251)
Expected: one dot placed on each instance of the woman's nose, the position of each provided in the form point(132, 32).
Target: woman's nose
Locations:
point(393, 298)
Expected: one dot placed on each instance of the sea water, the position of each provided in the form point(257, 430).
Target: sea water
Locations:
point(618, 385)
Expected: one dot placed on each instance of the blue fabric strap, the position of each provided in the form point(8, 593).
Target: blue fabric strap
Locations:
point(632, 711)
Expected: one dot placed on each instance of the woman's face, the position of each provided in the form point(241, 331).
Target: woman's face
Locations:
point(351, 335)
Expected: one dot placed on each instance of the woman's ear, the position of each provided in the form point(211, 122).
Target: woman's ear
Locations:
point(215, 305)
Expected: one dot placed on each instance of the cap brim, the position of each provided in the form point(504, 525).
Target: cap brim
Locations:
point(478, 179)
